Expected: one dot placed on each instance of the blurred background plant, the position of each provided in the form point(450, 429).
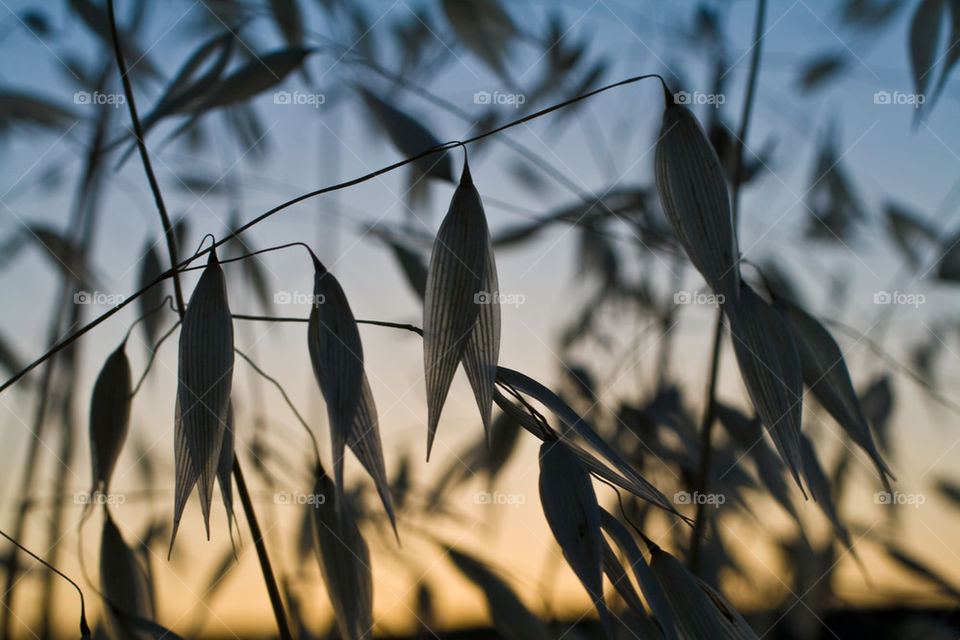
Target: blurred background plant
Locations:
point(845, 198)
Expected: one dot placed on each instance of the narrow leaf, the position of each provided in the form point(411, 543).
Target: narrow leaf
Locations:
point(924, 29)
point(286, 13)
point(123, 583)
point(582, 428)
point(109, 417)
point(570, 506)
point(454, 308)
point(150, 270)
point(410, 137)
point(205, 380)
point(825, 374)
point(819, 487)
point(484, 27)
point(364, 440)
point(344, 561)
point(695, 616)
point(255, 77)
point(693, 193)
point(483, 346)
point(336, 353)
point(225, 467)
point(771, 371)
point(657, 600)
point(510, 617)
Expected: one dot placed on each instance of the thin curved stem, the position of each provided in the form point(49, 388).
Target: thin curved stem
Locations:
point(153, 356)
point(145, 157)
point(250, 514)
point(84, 627)
point(336, 187)
point(286, 398)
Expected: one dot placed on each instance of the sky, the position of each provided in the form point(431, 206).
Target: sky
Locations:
point(310, 146)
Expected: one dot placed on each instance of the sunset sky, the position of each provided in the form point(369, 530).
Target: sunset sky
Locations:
point(311, 146)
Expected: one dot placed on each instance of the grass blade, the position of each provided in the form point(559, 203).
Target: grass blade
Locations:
point(510, 617)
point(123, 582)
point(344, 562)
point(109, 417)
point(409, 137)
point(336, 354)
point(570, 506)
point(455, 281)
point(826, 375)
point(693, 193)
point(770, 366)
point(205, 379)
point(651, 589)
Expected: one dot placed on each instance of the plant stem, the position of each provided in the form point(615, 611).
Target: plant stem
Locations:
point(145, 159)
point(709, 412)
point(248, 511)
point(275, 600)
point(312, 194)
point(706, 428)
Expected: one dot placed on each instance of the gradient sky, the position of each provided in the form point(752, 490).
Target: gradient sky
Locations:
point(314, 147)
